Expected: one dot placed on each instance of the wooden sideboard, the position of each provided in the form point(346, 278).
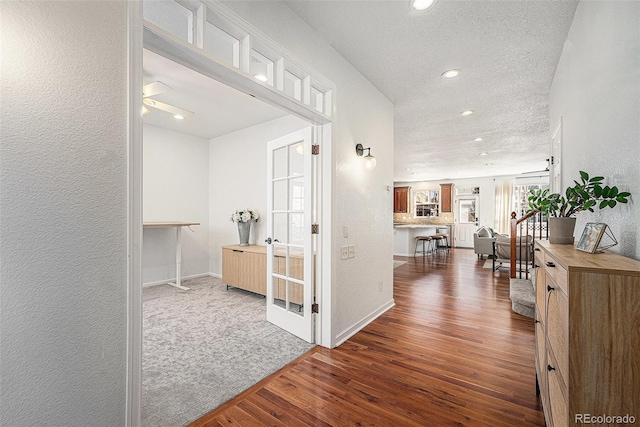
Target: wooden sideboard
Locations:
point(587, 334)
point(245, 267)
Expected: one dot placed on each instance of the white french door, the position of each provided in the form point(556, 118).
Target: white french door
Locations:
point(467, 221)
point(290, 244)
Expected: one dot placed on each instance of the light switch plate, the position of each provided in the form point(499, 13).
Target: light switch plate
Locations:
point(352, 251)
point(345, 231)
point(345, 252)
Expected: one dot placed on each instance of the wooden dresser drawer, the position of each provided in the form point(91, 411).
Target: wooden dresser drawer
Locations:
point(541, 293)
point(557, 331)
point(541, 358)
point(557, 397)
point(557, 272)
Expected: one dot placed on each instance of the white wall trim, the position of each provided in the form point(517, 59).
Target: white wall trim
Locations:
point(173, 279)
point(133, 402)
point(358, 326)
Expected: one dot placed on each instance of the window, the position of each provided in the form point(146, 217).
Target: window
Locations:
point(426, 203)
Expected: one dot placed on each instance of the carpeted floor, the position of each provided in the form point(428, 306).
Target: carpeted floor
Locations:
point(204, 346)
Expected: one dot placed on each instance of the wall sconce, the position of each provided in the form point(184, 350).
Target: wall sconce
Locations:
point(369, 161)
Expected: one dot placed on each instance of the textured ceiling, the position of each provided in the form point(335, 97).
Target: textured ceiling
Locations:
point(219, 109)
point(507, 52)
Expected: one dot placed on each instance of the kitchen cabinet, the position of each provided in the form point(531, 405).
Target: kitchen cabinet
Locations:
point(445, 198)
point(401, 199)
point(587, 342)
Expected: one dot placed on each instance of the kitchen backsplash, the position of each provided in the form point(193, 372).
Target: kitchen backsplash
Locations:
point(407, 218)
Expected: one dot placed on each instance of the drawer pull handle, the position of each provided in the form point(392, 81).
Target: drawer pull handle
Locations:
point(536, 321)
point(535, 266)
point(236, 250)
point(549, 288)
point(550, 368)
point(550, 264)
point(537, 249)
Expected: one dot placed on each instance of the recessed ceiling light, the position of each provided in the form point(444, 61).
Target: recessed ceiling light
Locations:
point(178, 117)
point(261, 77)
point(408, 169)
point(478, 139)
point(421, 5)
point(467, 112)
point(484, 153)
point(488, 164)
point(451, 74)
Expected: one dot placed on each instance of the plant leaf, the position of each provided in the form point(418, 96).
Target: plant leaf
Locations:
point(597, 190)
point(584, 175)
point(604, 204)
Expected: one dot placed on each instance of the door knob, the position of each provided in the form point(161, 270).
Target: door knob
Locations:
point(268, 240)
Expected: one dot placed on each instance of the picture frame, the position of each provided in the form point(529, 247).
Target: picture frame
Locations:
point(591, 237)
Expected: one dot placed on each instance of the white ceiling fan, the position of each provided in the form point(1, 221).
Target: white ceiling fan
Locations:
point(157, 88)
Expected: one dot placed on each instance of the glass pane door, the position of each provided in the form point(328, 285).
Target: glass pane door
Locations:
point(289, 249)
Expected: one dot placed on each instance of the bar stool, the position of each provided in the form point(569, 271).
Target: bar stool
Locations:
point(438, 242)
point(424, 239)
point(444, 238)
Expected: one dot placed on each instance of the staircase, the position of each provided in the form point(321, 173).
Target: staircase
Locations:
point(522, 290)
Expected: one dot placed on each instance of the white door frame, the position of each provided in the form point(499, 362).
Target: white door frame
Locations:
point(555, 174)
point(324, 136)
point(133, 415)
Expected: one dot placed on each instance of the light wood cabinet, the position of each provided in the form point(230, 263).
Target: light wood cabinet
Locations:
point(587, 334)
point(245, 267)
point(297, 272)
point(401, 199)
point(445, 198)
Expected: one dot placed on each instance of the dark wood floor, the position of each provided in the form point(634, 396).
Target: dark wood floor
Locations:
point(451, 352)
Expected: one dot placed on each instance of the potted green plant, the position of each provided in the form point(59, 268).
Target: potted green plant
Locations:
point(582, 196)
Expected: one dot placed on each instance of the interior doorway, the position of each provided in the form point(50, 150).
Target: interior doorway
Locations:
point(200, 169)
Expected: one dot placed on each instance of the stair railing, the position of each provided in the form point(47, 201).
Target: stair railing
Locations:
point(523, 229)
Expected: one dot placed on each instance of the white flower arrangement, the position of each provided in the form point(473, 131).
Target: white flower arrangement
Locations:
point(245, 215)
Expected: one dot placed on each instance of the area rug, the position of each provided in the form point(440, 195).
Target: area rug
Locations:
point(489, 264)
point(397, 264)
point(204, 346)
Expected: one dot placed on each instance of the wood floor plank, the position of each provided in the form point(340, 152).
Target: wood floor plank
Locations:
point(451, 352)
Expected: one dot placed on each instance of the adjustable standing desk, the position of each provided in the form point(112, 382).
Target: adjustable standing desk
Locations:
point(178, 226)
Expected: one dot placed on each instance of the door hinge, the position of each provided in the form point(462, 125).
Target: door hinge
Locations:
point(314, 308)
point(315, 228)
point(315, 149)
point(552, 161)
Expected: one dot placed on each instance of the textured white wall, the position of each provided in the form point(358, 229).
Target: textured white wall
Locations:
point(63, 213)
point(238, 180)
point(360, 198)
point(175, 188)
point(596, 91)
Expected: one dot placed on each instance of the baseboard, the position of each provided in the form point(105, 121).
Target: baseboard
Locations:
point(173, 279)
point(354, 329)
point(216, 275)
point(409, 255)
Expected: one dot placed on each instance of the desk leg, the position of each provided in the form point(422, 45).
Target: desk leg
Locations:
point(178, 260)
